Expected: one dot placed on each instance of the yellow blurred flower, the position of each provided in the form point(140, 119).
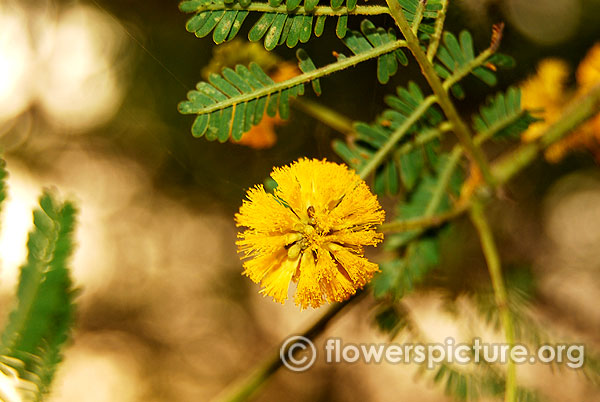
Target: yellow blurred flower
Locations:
point(311, 231)
point(588, 135)
point(544, 94)
point(588, 72)
point(585, 137)
point(262, 135)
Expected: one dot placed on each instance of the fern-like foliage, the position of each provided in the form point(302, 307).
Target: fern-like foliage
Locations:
point(463, 385)
point(290, 5)
point(400, 276)
point(458, 382)
point(230, 103)
point(426, 12)
point(278, 25)
point(457, 55)
point(294, 22)
point(371, 37)
point(406, 112)
point(502, 115)
point(39, 325)
point(419, 253)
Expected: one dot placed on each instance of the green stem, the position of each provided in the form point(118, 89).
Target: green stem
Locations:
point(466, 69)
point(429, 220)
point(497, 127)
point(282, 9)
point(434, 42)
point(460, 128)
point(396, 136)
point(325, 115)
point(490, 252)
point(246, 387)
point(443, 181)
point(424, 222)
point(424, 137)
point(300, 79)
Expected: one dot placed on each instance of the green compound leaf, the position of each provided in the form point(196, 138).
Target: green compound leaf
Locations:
point(306, 65)
point(404, 167)
point(400, 276)
point(502, 116)
point(430, 13)
point(418, 200)
point(40, 324)
point(465, 385)
point(411, 166)
point(457, 54)
point(231, 103)
point(278, 25)
point(189, 6)
point(371, 37)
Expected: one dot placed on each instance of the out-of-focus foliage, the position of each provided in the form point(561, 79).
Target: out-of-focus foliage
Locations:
point(40, 324)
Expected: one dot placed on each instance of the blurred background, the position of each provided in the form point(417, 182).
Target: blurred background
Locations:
point(88, 103)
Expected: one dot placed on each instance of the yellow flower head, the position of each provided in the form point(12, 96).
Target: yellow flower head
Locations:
point(545, 90)
point(311, 231)
point(588, 72)
point(587, 136)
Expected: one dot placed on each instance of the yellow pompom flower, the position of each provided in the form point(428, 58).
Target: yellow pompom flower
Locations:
point(587, 136)
point(545, 93)
point(311, 231)
point(588, 72)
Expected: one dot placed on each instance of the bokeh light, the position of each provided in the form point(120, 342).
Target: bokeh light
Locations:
point(72, 55)
point(16, 58)
point(547, 22)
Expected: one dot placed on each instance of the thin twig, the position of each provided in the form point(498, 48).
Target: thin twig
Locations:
point(396, 136)
point(424, 222)
point(437, 35)
point(418, 16)
point(490, 251)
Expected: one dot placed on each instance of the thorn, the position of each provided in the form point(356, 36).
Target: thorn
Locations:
point(490, 66)
point(385, 123)
point(335, 54)
point(497, 30)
